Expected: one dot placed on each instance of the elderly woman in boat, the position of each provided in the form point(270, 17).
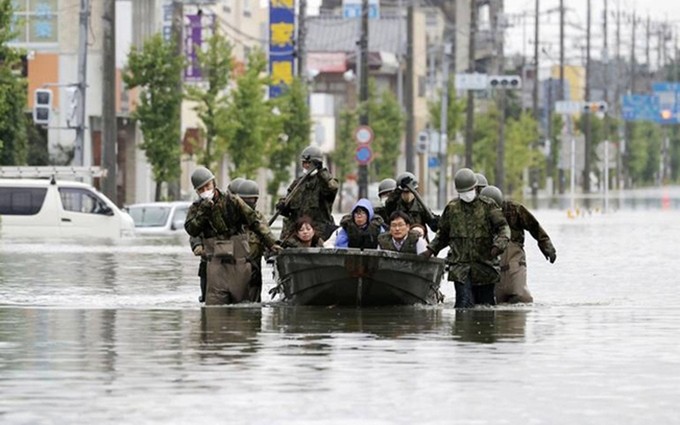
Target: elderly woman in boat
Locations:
point(360, 229)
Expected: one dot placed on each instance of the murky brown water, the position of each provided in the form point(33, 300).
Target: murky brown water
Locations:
point(102, 333)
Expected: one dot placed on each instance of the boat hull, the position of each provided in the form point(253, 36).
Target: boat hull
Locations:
point(353, 277)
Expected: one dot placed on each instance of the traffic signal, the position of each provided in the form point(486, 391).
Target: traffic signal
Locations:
point(595, 107)
point(507, 82)
point(42, 106)
point(72, 106)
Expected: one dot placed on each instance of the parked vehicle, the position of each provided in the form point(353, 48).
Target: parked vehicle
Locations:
point(54, 208)
point(159, 218)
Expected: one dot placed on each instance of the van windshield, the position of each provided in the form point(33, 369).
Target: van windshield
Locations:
point(149, 216)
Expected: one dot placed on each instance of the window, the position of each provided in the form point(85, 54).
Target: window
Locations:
point(246, 8)
point(82, 201)
point(180, 214)
point(36, 21)
point(21, 200)
point(150, 216)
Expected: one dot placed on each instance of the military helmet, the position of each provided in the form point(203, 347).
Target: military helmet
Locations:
point(200, 177)
point(494, 193)
point(405, 176)
point(233, 187)
point(481, 180)
point(248, 189)
point(311, 153)
point(465, 180)
point(387, 185)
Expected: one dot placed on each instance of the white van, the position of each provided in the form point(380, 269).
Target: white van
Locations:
point(52, 208)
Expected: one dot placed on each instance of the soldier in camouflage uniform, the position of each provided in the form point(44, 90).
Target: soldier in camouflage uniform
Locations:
point(513, 286)
point(250, 193)
point(385, 189)
point(220, 219)
point(482, 182)
point(401, 199)
point(314, 198)
point(476, 232)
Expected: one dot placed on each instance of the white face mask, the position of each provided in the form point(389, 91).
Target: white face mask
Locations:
point(208, 194)
point(468, 196)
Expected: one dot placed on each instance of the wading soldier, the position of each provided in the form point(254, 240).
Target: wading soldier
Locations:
point(476, 233)
point(220, 219)
point(513, 285)
point(313, 198)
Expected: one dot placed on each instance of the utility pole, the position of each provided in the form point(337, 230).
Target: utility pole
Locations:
point(605, 58)
point(537, 116)
point(629, 125)
point(443, 128)
point(409, 92)
point(586, 116)
point(109, 137)
point(84, 20)
point(469, 118)
point(498, 53)
point(617, 100)
point(561, 94)
point(648, 36)
point(363, 91)
point(536, 80)
point(174, 187)
point(301, 42)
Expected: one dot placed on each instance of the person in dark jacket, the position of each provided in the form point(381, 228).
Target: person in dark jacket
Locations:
point(360, 229)
point(513, 285)
point(305, 235)
point(400, 237)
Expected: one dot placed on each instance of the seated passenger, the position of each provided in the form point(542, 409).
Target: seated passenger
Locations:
point(304, 235)
point(358, 230)
point(400, 238)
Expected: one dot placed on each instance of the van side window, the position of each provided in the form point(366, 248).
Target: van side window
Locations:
point(21, 200)
point(82, 201)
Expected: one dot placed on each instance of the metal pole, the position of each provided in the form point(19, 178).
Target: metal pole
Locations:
point(561, 95)
point(443, 128)
point(587, 116)
point(174, 187)
point(82, 82)
point(469, 118)
point(409, 91)
point(302, 40)
point(109, 137)
point(573, 173)
point(606, 176)
point(363, 91)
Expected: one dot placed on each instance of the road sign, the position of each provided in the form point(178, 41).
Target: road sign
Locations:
point(640, 107)
point(352, 9)
point(364, 155)
point(568, 107)
point(471, 81)
point(363, 135)
point(433, 162)
point(669, 102)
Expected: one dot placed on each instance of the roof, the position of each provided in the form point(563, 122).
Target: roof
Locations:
point(337, 34)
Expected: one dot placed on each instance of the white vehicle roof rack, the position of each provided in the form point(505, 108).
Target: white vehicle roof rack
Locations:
point(27, 171)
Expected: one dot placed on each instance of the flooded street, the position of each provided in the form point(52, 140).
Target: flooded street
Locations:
point(113, 333)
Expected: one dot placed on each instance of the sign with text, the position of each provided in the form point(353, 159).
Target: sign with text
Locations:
point(281, 45)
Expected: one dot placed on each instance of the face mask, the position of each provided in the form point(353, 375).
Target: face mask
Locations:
point(208, 194)
point(468, 196)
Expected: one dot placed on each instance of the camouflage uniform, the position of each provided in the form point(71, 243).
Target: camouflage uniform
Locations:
point(225, 219)
point(471, 230)
point(202, 267)
point(314, 199)
point(257, 249)
point(416, 211)
point(513, 284)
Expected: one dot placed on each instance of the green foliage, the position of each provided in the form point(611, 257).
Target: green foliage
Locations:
point(345, 146)
point(295, 127)
point(455, 116)
point(485, 136)
point(644, 152)
point(387, 123)
point(520, 137)
point(13, 139)
point(156, 70)
point(249, 124)
point(216, 66)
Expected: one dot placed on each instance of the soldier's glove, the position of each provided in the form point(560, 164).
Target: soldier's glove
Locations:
point(276, 248)
point(427, 253)
point(282, 208)
point(552, 256)
point(206, 204)
point(405, 182)
point(495, 251)
point(198, 250)
point(317, 164)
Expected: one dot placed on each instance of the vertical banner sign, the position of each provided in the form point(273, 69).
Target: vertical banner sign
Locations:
point(281, 45)
point(198, 28)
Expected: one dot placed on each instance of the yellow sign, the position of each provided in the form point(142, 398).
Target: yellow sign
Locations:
point(282, 33)
point(282, 73)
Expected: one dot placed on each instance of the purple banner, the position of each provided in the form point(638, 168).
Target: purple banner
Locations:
point(197, 29)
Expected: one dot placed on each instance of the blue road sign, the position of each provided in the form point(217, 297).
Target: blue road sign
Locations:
point(433, 162)
point(350, 11)
point(364, 155)
point(640, 107)
point(669, 102)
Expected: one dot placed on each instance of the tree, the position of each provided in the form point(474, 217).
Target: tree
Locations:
point(216, 65)
point(249, 124)
point(295, 130)
point(387, 122)
point(485, 135)
point(520, 137)
point(156, 70)
point(345, 146)
point(13, 138)
point(644, 153)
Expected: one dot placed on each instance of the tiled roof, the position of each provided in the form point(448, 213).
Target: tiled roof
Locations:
point(337, 34)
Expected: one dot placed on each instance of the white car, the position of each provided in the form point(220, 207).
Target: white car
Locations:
point(159, 218)
point(54, 208)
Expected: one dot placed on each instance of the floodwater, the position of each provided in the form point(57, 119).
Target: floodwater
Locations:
point(94, 332)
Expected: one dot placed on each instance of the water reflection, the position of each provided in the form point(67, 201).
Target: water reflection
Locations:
point(230, 333)
point(486, 325)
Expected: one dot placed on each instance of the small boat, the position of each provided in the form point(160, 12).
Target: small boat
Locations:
point(354, 277)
